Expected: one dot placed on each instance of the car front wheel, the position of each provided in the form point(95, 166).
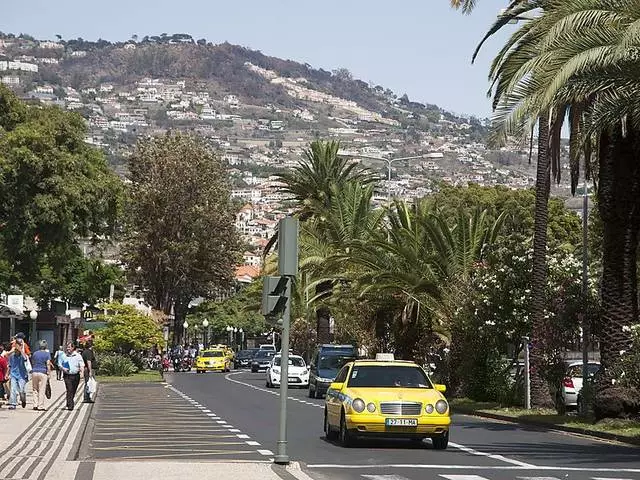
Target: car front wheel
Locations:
point(441, 441)
point(346, 439)
point(328, 432)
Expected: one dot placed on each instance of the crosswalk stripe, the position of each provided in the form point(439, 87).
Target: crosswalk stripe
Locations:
point(607, 478)
point(463, 477)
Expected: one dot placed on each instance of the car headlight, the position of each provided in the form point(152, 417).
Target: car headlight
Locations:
point(428, 408)
point(358, 405)
point(276, 370)
point(371, 407)
point(441, 406)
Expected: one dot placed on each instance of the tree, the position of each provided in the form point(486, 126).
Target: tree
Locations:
point(313, 184)
point(574, 58)
point(54, 189)
point(181, 237)
point(127, 329)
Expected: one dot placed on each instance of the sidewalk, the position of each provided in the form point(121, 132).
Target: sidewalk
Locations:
point(45, 446)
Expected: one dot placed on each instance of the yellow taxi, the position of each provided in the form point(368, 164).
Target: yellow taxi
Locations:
point(211, 360)
point(228, 351)
point(386, 398)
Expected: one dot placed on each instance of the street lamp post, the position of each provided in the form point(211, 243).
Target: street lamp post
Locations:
point(229, 330)
point(185, 325)
point(235, 337)
point(205, 326)
point(33, 315)
point(241, 339)
point(390, 161)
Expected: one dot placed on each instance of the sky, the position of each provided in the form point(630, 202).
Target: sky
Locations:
point(419, 47)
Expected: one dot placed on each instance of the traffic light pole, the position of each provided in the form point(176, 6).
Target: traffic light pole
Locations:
point(281, 457)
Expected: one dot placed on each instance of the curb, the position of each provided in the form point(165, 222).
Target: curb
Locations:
point(551, 427)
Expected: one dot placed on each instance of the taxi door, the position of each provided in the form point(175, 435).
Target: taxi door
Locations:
point(335, 398)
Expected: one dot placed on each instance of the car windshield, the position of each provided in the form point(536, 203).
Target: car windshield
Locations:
point(262, 354)
point(576, 370)
point(217, 353)
point(293, 361)
point(391, 376)
point(330, 364)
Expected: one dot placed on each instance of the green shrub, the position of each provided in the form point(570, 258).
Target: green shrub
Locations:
point(115, 365)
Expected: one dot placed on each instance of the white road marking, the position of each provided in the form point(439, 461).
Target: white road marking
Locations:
point(243, 435)
point(607, 478)
point(206, 410)
point(501, 458)
point(211, 415)
point(221, 422)
point(265, 452)
point(252, 442)
point(464, 477)
point(474, 467)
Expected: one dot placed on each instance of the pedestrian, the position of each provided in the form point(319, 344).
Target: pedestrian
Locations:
point(89, 364)
point(41, 363)
point(4, 374)
point(56, 359)
point(71, 364)
point(18, 373)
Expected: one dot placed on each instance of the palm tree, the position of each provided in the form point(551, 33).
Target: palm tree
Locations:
point(313, 185)
point(581, 55)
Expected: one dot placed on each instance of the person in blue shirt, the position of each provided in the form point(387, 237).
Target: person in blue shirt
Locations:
point(41, 363)
point(72, 365)
point(18, 372)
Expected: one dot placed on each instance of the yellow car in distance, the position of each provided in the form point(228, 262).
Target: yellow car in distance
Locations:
point(228, 351)
point(212, 360)
point(386, 398)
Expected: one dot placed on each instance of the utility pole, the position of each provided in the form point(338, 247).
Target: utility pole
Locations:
point(585, 293)
point(276, 299)
point(527, 374)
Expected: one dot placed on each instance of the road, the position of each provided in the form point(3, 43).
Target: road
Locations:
point(479, 449)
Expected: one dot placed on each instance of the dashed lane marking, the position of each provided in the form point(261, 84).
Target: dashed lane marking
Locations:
point(223, 426)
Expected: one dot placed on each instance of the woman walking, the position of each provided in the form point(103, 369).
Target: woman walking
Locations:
point(56, 362)
point(18, 373)
point(41, 363)
point(71, 364)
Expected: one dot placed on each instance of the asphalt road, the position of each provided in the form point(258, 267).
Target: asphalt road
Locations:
point(478, 450)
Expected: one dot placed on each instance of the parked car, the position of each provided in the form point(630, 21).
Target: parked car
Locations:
point(244, 357)
point(572, 384)
point(268, 346)
point(261, 360)
point(327, 360)
point(298, 372)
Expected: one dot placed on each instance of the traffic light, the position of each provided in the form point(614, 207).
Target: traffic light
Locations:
point(274, 295)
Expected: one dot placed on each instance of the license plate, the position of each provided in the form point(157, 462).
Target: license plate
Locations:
point(401, 422)
point(294, 380)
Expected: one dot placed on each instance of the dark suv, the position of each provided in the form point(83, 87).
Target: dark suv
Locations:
point(243, 358)
point(261, 360)
point(325, 364)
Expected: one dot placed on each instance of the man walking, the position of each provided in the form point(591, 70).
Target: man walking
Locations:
point(71, 364)
point(89, 359)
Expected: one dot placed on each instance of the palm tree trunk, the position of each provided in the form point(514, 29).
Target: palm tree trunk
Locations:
point(323, 315)
point(540, 394)
point(619, 206)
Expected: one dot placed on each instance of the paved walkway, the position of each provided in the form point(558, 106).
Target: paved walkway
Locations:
point(53, 445)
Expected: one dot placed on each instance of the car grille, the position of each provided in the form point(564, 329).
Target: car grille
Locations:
point(401, 408)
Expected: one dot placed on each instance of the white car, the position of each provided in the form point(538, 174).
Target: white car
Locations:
point(572, 384)
point(298, 372)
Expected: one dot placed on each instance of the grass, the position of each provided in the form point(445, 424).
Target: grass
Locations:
point(140, 377)
point(624, 428)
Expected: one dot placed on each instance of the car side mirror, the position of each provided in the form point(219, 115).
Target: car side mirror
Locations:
point(337, 386)
point(440, 388)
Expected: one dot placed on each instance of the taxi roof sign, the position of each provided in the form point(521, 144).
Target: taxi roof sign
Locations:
point(385, 357)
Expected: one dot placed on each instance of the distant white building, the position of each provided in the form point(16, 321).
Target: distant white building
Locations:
point(10, 80)
point(139, 303)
